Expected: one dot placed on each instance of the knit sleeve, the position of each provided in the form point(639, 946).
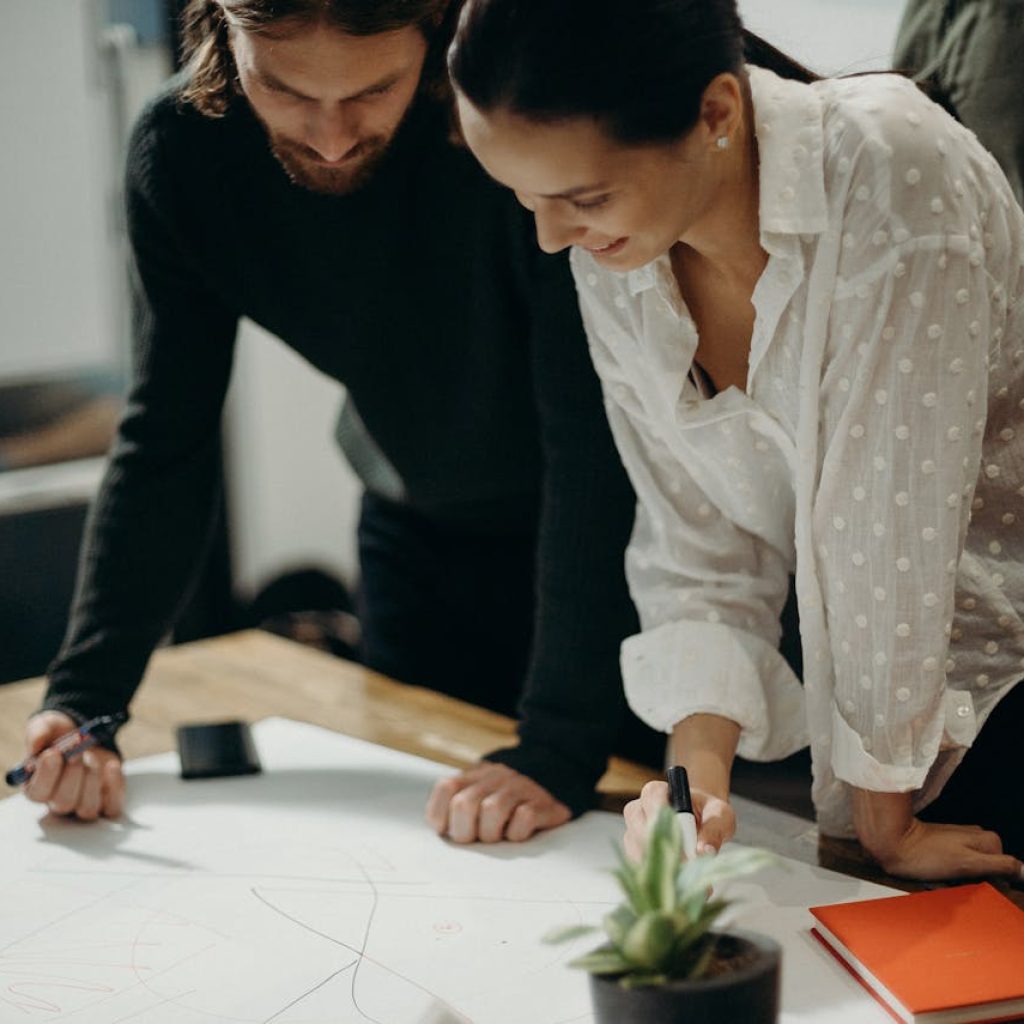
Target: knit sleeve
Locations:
point(573, 703)
point(149, 525)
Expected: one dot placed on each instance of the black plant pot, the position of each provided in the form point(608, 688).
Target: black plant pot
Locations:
point(748, 994)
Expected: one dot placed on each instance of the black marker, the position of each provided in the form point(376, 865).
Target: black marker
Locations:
point(70, 745)
point(679, 797)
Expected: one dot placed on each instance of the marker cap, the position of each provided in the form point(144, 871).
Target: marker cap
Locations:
point(679, 790)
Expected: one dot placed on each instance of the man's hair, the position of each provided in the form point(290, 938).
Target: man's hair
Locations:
point(211, 80)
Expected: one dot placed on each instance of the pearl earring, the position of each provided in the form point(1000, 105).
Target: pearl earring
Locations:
point(722, 142)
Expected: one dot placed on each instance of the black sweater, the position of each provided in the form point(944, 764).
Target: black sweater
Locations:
point(460, 343)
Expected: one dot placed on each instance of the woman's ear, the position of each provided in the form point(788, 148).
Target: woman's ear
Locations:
point(721, 110)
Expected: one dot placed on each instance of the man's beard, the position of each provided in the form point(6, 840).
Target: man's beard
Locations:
point(305, 168)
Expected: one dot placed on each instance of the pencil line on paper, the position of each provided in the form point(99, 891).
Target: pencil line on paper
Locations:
point(63, 917)
point(366, 938)
point(359, 953)
point(301, 924)
point(143, 984)
point(209, 874)
point(153, 1006)
point(298, 999)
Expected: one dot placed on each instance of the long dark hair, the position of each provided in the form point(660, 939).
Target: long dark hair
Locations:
point(638, 67)
point(211, 78)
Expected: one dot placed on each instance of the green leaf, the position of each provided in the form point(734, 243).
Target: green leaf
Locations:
point(653, 868)
point(662, 930)
point(567, 933)
point(649, 942)
point(661, 863)
point(628, 878)
point(617, 924)
point(602, 961)
point(643, 979)
point(711, 911)
point(703, 873)
point(664, 885)
point(695, 964)
point(688, 940)
point(700, 967)
point(693, 903)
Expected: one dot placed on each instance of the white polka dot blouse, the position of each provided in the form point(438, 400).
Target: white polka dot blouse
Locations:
point(877, 452)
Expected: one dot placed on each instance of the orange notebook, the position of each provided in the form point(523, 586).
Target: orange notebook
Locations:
point(945, 956)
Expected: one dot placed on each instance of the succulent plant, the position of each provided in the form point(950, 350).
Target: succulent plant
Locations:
point(661, 932)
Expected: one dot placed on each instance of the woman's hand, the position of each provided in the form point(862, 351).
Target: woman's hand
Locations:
point(706, 745)
point(716, 820)
point(906, 847)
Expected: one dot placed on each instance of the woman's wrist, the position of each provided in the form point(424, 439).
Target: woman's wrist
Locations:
point(881, 820)
point(706, 745)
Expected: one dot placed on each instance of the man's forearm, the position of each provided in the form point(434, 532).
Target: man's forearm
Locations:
point(573, 701)
point(706, 746)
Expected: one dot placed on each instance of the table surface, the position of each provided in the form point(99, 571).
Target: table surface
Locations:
point(253, 675)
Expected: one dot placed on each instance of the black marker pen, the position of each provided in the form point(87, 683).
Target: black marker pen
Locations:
point(70, 745)
point(679, 797)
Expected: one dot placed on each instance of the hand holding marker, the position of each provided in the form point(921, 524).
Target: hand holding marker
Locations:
point(70, 745)
point(679, 797)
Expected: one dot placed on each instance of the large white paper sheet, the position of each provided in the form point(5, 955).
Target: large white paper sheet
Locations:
point(315, 894)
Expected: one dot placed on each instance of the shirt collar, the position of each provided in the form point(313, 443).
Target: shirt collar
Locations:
point(791, 145)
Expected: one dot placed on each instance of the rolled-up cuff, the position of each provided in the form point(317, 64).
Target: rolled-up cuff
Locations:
point(686, 668)
point(853, 764)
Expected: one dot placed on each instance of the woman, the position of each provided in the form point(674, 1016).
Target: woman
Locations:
point(803, 300)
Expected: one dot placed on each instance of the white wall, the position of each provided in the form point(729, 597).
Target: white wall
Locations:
point(58, 245)
point(829, 36)
point(293, 500)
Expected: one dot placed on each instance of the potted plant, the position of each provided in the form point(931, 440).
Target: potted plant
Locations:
point(661, 961)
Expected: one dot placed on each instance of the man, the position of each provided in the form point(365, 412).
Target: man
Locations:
point(304, 175)
point(971, 51)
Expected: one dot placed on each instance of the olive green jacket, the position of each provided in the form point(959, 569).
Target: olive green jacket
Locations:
point(973, 51)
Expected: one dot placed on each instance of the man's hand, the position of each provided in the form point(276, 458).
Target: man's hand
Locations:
point(490, 802)
point(716, 819)
point(906, 847)
point(89, 786)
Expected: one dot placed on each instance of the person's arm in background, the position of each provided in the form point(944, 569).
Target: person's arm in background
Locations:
point(573, 703)
point(973, 56)
point(150, 523)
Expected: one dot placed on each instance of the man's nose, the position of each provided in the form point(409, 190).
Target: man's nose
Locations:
point(332, 131)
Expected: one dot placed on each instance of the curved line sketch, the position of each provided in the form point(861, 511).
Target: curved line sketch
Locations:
point(362, 949)
point(386, 919)
point(309, 992)
point(362, 955)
